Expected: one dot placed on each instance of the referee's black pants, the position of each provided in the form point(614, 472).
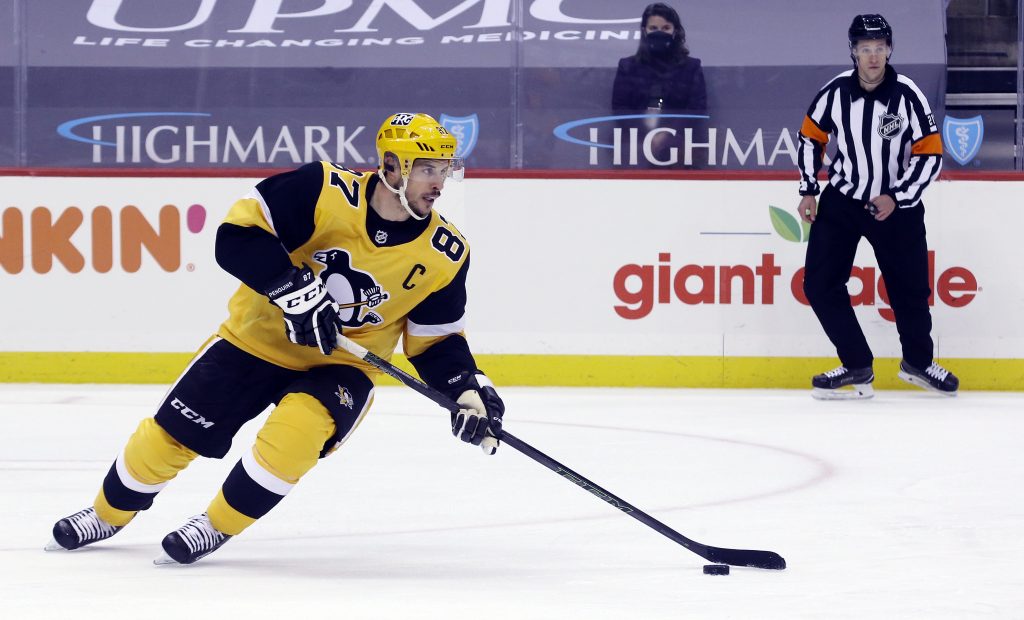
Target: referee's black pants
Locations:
point(902, 254)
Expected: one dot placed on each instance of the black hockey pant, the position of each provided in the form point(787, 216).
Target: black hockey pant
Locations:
point(901, 250)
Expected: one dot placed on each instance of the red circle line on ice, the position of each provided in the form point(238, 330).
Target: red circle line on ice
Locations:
point(823, 470)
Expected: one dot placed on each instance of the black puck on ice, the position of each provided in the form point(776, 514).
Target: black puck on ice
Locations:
point(716, 569)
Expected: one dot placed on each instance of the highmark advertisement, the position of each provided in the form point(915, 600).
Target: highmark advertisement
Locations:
point(524, 84)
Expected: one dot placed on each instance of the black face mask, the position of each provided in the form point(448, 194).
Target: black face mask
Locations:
point(659, 43)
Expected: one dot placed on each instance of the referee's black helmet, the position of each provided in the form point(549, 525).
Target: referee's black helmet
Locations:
point(870, 27)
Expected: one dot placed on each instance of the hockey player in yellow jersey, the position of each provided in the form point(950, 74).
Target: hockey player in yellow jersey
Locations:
point(318, 250)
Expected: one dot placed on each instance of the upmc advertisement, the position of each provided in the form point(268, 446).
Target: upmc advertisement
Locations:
point(522, 83)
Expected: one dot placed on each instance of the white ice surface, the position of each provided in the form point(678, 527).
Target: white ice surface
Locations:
point(906, 506)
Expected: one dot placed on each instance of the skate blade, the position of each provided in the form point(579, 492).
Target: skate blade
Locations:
point(53, 545)
point(165, 559)
point(921, 383)
point(850, 392)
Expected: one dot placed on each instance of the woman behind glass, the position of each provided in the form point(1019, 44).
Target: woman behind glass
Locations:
point(661, 77)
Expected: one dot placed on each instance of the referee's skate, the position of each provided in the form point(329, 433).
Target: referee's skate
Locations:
point(934, 378)
point(843, 383)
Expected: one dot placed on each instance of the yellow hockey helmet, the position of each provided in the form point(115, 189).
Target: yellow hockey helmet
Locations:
point(412, 136)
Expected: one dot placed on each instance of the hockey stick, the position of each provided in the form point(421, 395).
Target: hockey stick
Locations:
point(722, 555)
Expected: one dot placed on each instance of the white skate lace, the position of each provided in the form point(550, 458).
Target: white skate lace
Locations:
point(199, 534)
point(936, 371)
point(88, 525)
point(835, 372)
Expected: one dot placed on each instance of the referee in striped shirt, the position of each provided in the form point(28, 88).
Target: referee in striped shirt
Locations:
point(888, 151)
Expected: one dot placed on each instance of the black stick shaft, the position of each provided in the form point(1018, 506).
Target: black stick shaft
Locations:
point(735, 557)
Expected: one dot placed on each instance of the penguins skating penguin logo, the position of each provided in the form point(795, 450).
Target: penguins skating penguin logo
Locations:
point(345, 397)
point(355, 291)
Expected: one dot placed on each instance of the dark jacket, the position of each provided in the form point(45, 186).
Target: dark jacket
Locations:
point(680, 85)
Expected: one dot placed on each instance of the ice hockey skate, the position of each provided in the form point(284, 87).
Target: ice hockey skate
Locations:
point(191, 542)
point(843, 383)
point(80, 529)
point(934, 378)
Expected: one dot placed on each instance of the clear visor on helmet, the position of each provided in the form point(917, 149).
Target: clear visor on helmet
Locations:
point(865, 49)
point(437, 170)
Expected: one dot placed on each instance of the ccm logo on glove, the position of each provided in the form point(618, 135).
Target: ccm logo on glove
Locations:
point(310, 313)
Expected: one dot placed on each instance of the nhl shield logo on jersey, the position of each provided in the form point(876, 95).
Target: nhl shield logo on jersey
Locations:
point(890, 125)
point(466, 129)
point(355, 291)
point(963, 137)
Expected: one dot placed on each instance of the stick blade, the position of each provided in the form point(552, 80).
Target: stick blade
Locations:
point(746, 557)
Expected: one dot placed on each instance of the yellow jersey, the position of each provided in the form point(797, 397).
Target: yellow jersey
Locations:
point(390, 279)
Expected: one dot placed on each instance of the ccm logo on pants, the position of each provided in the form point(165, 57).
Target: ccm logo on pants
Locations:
point(190, 414)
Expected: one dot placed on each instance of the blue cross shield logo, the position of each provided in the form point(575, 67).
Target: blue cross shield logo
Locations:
point(466, 129)
point(963, 137)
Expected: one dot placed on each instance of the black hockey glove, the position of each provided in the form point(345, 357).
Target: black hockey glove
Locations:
point(479, 420)
point(310, 314)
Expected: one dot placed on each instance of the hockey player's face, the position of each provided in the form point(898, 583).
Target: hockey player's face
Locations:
point(426, 180)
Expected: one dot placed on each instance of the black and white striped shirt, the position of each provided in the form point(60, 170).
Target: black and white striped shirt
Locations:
point(887, 142)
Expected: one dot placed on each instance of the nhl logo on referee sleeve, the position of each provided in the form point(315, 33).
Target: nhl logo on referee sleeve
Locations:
point(890, 125)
